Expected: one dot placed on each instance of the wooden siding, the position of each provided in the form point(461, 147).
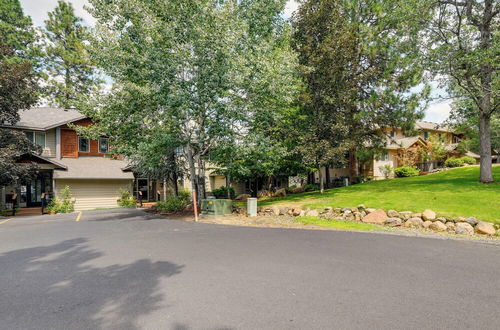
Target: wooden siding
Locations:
point(92, 194)
point(50, 143)
point(69, 144)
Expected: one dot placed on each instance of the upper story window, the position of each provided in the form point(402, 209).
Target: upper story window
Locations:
point(426, 135)
point(36, 137)
point(456, 139)
point(103, 145)
point(392, 133)
point(83, 144)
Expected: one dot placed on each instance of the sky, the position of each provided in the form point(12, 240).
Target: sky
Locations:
point(437, 112)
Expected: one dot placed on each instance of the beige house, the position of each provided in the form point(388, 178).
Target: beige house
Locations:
point(397, 142)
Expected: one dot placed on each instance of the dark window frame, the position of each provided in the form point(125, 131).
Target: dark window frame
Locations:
point(107, 145)
point(88, 144)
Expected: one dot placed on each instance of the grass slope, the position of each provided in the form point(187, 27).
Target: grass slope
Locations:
point(340, 224)
point(451, 193)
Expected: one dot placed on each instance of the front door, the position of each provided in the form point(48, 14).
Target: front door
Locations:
point(36, 187)
point(142, 189)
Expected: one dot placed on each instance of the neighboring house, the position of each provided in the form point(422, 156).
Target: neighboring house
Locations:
point(398, 142)
point(87, 166)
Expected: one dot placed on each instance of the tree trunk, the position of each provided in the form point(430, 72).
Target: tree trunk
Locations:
point(327, 177)
point(201, 178)
point(228, 185)
point(165, 189)
point(321, 183)
point(353, 166)
point(486, 174)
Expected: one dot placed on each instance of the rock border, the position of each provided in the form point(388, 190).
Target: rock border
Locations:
point(426, 219)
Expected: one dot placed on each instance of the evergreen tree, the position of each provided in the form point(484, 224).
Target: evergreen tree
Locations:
point(69, 67)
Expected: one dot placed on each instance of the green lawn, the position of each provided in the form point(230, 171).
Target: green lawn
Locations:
point(450, 193)
point(340, 224)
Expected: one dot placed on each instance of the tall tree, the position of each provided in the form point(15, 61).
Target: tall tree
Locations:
point(69, 67)
point(463, 47)
point(359, 64)
point(18, 88)
point(183, 77)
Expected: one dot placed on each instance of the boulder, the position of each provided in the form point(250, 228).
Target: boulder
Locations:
point(416, 215)
point(312, 213)
point(283, 210)
point(472, 221)
point(361, 207)
point(393, 222)
point(405, 215)
point(354, 209)
point(242, 197)
point(429, 215)
point(438, 226)
point(378, 216)
point(349, 216)
point(427, 224)
point(296, 211)
point(463, 228)
point(344, 209)
point(484, 228)
point(414, 222)
point(450, 226)
point(393, 214)
point(441, 219)
point(328, 209)
point(337, 210)
point(347, 212)
point(302, 213)
point(280, 193)
point(357, 216)
point(369, 210)
point(460, 219)
point(299, 189)
point(275, 210)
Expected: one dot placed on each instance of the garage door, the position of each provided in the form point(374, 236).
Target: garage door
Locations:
point(92, 194)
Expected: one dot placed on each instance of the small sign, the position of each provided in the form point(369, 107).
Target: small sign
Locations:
point(14, 196)
point(43, 195)
point(140, 193)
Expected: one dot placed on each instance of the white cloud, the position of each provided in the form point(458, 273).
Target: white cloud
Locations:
point(38, 10)
point(290, 7)
point(438, 112)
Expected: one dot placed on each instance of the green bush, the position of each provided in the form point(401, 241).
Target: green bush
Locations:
point(454, 162)
point(406, 171)
point(222, 192)
point(126, 200)
point(468, 160)
point(63, 203)
point(311, 187)
point(172, 204)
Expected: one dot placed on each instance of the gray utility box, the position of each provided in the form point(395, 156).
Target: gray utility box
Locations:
point(252, 207)
point(216, 206)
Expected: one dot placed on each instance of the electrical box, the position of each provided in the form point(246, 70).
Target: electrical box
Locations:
point(216, 206)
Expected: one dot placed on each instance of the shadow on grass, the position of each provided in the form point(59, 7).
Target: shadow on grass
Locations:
point(58, 287)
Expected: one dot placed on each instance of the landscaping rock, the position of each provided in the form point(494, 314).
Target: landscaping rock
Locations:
point(460, 219)
point(242, 197)
point(312, 213)
point(328, 210)
point(349, 216)
point(280, 193)
point(484, 228)
point(416, 215)
point(471, 220)
point(378, 216)
point(393, 214)
point(354, 209)
point(438, 226)
point(347, 212)
point(463, 228)
point(302, 213)
point(443, 220)
point(344, 209)
point(363, 214)
point(337, 210)
point(393, 222)
point(357, 216)
point(369, 210)
point(361, 207)
point(429, 215)
point(414, 222)
point(283, 210)
point(299, 189)
point(450, 226)
point(275, 210)
point(405, 215)
point(296, 211)
point(427, 224)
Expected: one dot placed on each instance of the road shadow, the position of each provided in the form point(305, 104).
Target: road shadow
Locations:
point(64, 286)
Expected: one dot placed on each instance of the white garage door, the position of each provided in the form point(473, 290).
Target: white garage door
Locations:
point(92, 194)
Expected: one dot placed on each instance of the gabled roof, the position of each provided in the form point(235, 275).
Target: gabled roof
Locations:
point(93, 168)
point(43, 160)
point(427, 125)
point(44, 118)
point(404, 143)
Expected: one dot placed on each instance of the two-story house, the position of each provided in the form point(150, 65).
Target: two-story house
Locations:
point(398, 141)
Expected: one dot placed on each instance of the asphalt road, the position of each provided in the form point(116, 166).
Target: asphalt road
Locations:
point(124, 269)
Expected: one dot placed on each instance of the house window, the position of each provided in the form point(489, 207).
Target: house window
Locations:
point(392, 133)
point(384, 156)
point(36, 137)
point(456, 139)
point(426, 135)
point(103, 145)
point(83, 144)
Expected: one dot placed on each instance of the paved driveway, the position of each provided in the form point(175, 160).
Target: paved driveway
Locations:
point(123, 269)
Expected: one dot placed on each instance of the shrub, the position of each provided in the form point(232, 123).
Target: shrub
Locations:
point(311, 187)
point(172, 204)
point(222, 192)
point(454, 162)
point(406, 171)
point(386, 170)
point(63, 203)
point(126, 200)
point(291, 189)
point(468, 160)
